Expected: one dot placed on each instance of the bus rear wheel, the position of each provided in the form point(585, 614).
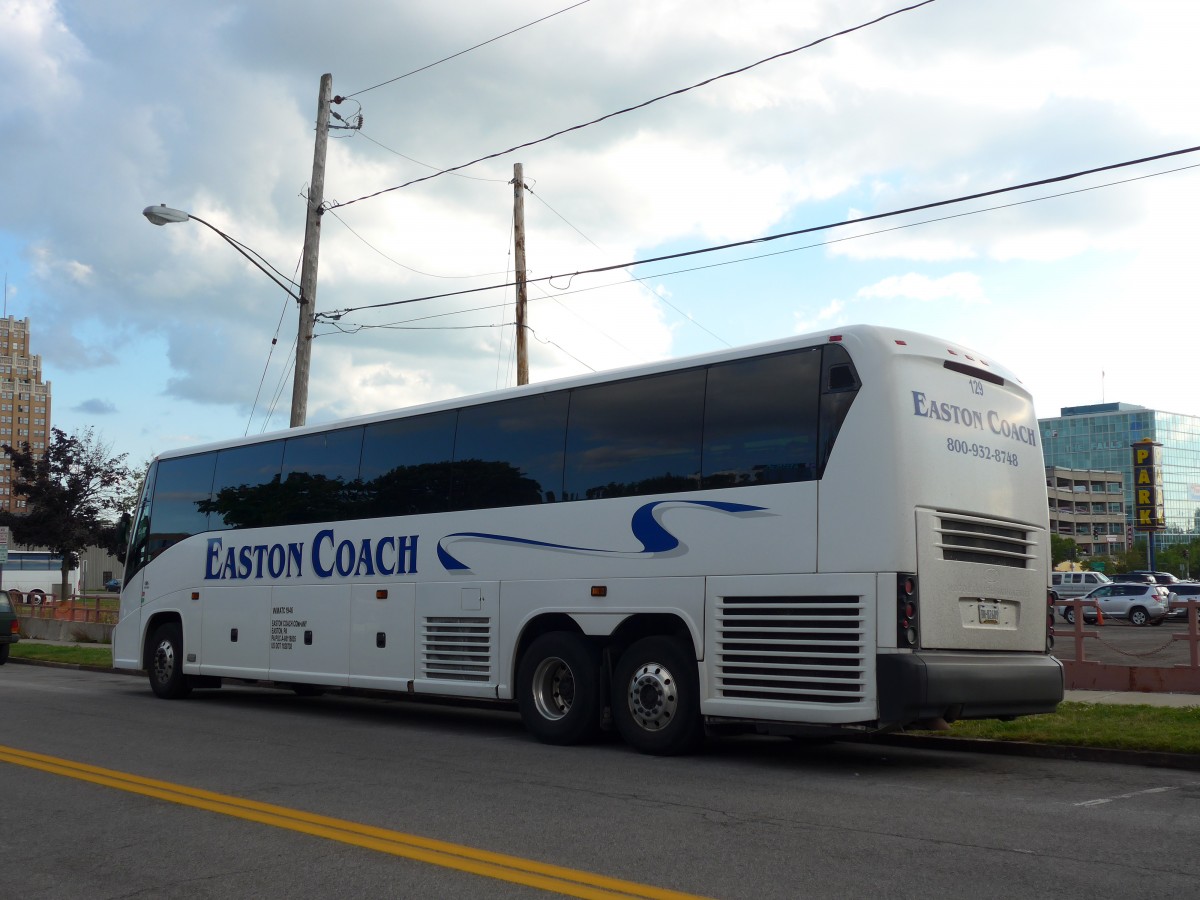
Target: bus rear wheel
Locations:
point(166, 663)
point(560, 690)
point(656, 697)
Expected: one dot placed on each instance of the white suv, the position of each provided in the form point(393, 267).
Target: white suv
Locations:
point(1141, 604)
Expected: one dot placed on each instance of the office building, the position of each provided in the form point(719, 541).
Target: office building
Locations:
point(1099, 438)
point(24, 402)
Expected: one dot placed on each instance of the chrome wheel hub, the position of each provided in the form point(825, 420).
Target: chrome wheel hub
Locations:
point(653, 699)
point(553, 688)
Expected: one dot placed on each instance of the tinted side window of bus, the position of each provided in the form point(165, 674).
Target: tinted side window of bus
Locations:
point(510, 453)
point(182, 489)
point(635, 437)
point(246, 491)
point(760, 420)
point(320, 477)
point(406, 465)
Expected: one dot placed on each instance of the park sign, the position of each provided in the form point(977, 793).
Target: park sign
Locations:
point(1148, 509)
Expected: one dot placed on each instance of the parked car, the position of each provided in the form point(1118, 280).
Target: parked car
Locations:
point(113, 584)
point(1159, 577)
point(1141, 604)
point(1184, 590)
point(1134, 578)
point(1076, 584)
point(8, 628)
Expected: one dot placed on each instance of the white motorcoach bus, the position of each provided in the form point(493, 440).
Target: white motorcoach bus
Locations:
point(833, 533)
point(32, 576)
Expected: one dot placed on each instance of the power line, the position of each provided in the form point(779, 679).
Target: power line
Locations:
point(795, 249)
point(409, 268)
point(629, 109)
point(653, 293)
point(335, 314)
point(461, 52)
point(417, 162)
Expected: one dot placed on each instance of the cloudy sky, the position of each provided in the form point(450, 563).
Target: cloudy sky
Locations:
point(162, 337)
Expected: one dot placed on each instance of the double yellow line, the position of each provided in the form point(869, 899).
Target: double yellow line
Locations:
point(569, 882)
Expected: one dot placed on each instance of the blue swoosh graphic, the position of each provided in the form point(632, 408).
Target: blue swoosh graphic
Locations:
point(648, 531)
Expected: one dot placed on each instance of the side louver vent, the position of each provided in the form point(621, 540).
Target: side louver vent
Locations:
point(791, 649)
point(457, 648)
point(992, 543)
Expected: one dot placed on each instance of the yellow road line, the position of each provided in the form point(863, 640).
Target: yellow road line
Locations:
point(569, 882)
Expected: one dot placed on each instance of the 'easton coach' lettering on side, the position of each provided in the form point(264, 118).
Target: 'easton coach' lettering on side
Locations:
point(365, 558)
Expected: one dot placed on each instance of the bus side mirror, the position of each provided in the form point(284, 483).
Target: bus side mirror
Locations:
point(123, 529)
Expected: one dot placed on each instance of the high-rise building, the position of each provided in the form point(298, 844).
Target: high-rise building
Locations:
point(24, 401)
point(1100, 437)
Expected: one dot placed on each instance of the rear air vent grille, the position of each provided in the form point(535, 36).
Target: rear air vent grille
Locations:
point(985, 541)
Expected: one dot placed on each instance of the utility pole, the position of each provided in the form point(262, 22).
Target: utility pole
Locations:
point(312, 245)
point(518, 183)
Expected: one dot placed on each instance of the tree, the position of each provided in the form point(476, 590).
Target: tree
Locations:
point(1062, 550)
point(72, 491)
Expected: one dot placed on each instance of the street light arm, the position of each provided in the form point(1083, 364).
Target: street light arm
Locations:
point(240, 249)
point(165, 215)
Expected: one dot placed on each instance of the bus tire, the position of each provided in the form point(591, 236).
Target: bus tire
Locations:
point(560, 690)
point(166, 663)
point(656, 697)
point(15, 596)
point(37, 597)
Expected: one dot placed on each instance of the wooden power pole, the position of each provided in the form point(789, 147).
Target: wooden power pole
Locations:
point(312, 246)
point(519, 251)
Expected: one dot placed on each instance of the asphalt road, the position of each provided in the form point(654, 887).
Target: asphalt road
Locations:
point(748, 818)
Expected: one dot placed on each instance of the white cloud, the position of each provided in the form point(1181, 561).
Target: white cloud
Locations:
point(828, 315)
point(961, 286)
point(100, 119)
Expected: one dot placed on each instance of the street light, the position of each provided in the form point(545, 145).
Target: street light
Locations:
point(166, 215)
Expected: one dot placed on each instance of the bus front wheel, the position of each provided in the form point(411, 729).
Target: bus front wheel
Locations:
point(559, 689)
point(166, 663)
point(656, 697)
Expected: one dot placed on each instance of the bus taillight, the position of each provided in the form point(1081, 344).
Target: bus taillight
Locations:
point(906, 610)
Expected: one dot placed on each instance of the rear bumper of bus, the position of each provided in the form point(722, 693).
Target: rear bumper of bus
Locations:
point(914, 687)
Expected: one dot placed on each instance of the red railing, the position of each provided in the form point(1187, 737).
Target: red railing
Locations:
point(1085, 674)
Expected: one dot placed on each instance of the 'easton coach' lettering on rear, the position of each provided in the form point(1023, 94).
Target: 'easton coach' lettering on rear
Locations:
point(973, 419)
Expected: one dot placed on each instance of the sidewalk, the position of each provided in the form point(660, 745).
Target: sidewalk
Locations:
point(1133, 698)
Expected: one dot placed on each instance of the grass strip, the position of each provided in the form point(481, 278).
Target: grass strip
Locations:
point(1111, 726)
point(74, 654)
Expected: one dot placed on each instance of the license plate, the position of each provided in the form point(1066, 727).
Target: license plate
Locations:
point(989, 614)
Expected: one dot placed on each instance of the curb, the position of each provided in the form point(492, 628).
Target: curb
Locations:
point(1149, 758)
